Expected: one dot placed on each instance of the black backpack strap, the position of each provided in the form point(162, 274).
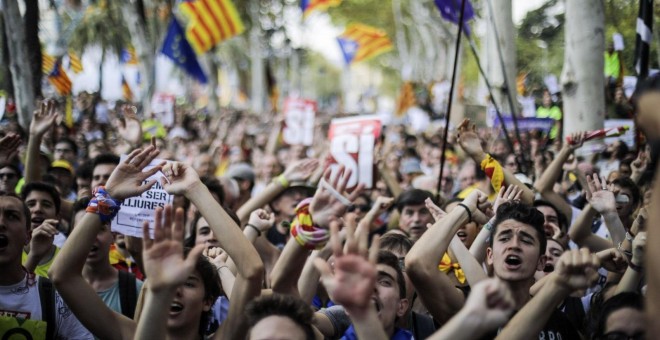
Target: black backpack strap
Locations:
point(47, 297)
point(127, 293)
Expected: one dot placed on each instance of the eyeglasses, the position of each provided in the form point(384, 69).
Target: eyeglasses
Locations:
point(362, 207)
point(618, 335)
point(63, 150)
point(402, 264)
point(7, 176)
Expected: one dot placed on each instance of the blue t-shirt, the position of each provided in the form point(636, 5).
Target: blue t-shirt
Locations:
point(111, 296)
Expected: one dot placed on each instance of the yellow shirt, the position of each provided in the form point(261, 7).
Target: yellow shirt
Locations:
point(42, 269)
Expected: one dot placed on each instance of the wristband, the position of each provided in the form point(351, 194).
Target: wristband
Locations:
point(223, 266)
point(629, 236)
point(304, 231)
point(255, 229)
point(628, 253)
point(468, 211)
point(281, 180)
point(635, 267)
point(488, 226)
point(103, 205)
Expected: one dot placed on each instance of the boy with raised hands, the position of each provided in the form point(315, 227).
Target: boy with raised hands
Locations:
point(185, 320)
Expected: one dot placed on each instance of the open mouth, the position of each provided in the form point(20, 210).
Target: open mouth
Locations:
point(549, 268)
point(462, 234)
point(4, 241)
point(513, 260)
point(37, 220)
point(93, 249)
point(176, 308)
point(376, 304)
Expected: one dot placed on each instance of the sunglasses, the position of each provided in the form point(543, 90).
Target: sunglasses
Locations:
point(361, 207)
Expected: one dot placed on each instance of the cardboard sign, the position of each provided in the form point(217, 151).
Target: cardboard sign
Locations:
point(352, 142)
point(299, 121)
point(136, 210)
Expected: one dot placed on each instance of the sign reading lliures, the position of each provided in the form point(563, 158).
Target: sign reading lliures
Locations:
point(352, 142)
point(135, 210)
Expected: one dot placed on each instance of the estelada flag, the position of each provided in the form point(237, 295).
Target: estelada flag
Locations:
point(370, 42)
point(309, 6)
point(211, 21)
point(74, 63)
point(59, 79)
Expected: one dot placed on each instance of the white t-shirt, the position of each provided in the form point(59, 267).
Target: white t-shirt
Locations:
point(20, 310)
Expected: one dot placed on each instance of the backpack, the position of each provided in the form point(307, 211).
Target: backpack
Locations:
point(127, 293)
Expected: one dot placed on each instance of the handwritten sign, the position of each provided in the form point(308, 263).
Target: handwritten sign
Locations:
point(135, 210)
point(299, 121)
point(352, 142)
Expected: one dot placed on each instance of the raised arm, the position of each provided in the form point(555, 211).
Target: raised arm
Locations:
point(66, 272)
point(489, 305)
point(435, 289)
point(499, 176)
point(184, 180)
point(633, 275)
point(576, 269)
point(298, 171)
point(42, 121)
point(545, 184)
point(327, 205)
point(166, 270)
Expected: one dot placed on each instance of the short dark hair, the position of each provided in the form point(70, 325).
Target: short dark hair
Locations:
point(412, 197)
point(85, 170)
point(617, 302)
point(650, 84)
point(387, 258)
point(71, 143)
point(523, 213)
point(563, 221)
point(192, 238)
point(281, 305)
point(629, 184)
point(26, 210)
point(43, 187)
point(105, 158)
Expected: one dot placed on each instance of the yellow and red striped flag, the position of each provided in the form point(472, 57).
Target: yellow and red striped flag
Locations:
point(126, 90)
point(211, 21)
point(47, 62)
point(309, 6)
point(59, 79)
point(370, 41)
point(74, 63)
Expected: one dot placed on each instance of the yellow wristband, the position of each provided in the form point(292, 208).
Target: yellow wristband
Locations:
point(282, 180)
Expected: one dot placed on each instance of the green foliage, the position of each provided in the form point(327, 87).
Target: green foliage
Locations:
point(102, 25)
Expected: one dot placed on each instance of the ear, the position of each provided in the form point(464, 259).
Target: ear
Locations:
point(489, 256)
point(541, 263)
point(402, 308)
point(207, 305)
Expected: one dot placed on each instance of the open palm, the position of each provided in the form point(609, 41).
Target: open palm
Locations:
point(127, 180)
point(164, 261)
point(328, 202)
point(44, 118)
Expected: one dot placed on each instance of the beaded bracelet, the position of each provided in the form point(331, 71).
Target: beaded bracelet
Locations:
point(103, 205)
point(304, 231)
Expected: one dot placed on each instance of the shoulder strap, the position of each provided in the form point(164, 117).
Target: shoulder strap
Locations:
point(127, 293)
point(47, 297)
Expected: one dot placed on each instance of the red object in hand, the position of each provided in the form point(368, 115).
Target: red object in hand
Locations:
point(602, 133)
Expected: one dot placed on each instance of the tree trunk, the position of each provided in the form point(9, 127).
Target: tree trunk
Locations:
point(582, 77)
point(5, 73)
point(144, 48)
point(20, 66)
point(502, 18)
point(32, 43)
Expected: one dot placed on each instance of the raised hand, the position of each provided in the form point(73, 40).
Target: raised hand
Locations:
point(128, 126)
point(217, 256)
point(436, 212)
point(262, 220)
point(42, 238)
point(163, 258)
point(576, 269)
point(507, 194)
point(470, 141)
point(639, 165)
point(329, 201)
point(601, 198)
point(612, 260)
point(44, 118)
point(576, 140)
point(9, 147)
point(639, 224)
point(491, 302)
point(639, 243)
point(300, 170)
point(179, 178)
point(127, 180)
point(354, 279)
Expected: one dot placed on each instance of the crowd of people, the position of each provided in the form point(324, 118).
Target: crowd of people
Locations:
point(266, 241)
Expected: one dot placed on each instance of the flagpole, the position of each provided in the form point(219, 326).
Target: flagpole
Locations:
point(451, 98)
